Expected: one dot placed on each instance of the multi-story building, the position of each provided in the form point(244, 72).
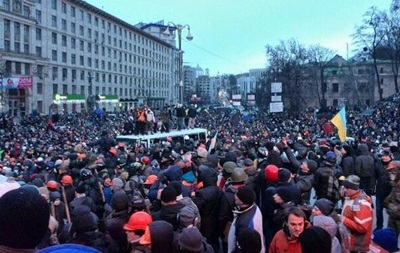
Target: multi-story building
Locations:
point(70, 52)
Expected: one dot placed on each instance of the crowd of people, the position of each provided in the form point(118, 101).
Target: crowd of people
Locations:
point(259, 183)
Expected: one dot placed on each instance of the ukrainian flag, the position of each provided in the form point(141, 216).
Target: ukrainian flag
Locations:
point(340, 123)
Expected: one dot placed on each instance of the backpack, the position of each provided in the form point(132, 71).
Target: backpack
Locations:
point(333, 192)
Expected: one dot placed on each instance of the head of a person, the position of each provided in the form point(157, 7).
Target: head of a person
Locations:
point(190, 240)
point(136, 225)
point(351, 185)
point(323, 206)
point(158, 236)
point(295, 222)
point(315, 239)
point(384, 241)
point(24, 218)
point(386, 156)
point(249, 241)
point(244, 197)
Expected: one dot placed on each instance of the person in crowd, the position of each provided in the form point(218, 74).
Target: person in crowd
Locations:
point(150, 121)
point(357, 214)
point(383, 185)
point(348, 160)
point(158, 237)
point(69, 188)
point(247, 214)
point(392, 201)
point(287, 239)
point(326, 183)
point(365, 169)
point(384, 241)
point(329, 224)
point(192, 241)
point(24, 220)
point(304, 179)
point(192, 113)
point(135, 228)
point(180, 115)
point(315, 240)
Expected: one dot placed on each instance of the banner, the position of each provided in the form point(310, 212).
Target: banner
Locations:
point(22, 82)
point(276, 107)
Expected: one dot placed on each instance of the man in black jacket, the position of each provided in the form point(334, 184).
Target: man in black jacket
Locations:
point(365, 169)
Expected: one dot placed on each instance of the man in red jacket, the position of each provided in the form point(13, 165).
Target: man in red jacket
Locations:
point(357, 215)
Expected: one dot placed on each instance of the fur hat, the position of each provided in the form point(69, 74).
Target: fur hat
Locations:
point(246, 195)
point(325, 206)
point(24, 218)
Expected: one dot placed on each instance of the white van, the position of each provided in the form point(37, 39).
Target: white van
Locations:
point(149, 139)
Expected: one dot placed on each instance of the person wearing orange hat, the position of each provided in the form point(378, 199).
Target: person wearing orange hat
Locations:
point(135, 229)
point(69, 188)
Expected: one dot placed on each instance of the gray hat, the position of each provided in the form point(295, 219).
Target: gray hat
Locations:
point(191, 239)
point(229, 166)
point(352, 182)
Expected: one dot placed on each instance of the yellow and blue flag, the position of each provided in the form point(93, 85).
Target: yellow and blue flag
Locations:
point(339, 120)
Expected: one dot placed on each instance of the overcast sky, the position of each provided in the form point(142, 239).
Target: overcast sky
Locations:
point(230, 35)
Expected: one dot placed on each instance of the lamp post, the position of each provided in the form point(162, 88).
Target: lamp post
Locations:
point(189, 37)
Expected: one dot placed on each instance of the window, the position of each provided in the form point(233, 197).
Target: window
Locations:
point(103, 24)
point(17, 29)
point(81, 45)
point(38, 16)
point(89, 61)
point(81, 32)
point(335, 87)
point(89, 47)
point(54, 55)
point(38, 34)
point(26, 48)
point(81, 60)
point(64, 24)
point(7, 26)
point(54, 4)
point(26, 11)
point(73, 89)
point(63, 7)
point(38, 51)
point(335, 103)
point(73, 28)
point(64, 74)
point(360, 71)
point(53, 21)
point(7, 46)
point(17, 47)
point(73, 43)
point(73, 74)
point(55, 89)
point(64, 40)
point(381, 70)
point(89, 33)
point(54, 38)
point(81, 14)
point(96, 21)
point(65, 89)
point(73, 59)
point(39, 88)
point(55, 73)
point(89, 18)
point(72, 11)
point(6, 5)
point(64, 57)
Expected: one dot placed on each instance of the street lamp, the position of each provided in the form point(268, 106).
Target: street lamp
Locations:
point(189, 37)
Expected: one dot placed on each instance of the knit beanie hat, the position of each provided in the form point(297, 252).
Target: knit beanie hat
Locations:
point(54, 196)
point(213, 159)
point(24, 218)
point(284, 175)
point(326, 222)
point(325, 206)
point(315, 239)
point(168, 194)
point(286, 193)
point(119, 201)
point(187, 215)
point(177, 186)
point(191, 239)
point(117, 184)
point(312, 165)
point(249, 241)
point(246, 195)
point(387, 239)
point(352, 182)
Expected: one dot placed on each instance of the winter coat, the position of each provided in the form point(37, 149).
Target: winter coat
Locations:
point(95, 239)
point(192, 112)
point(114, 226)
point(383, 185)
point(365, 168)
point(357, 217)
point(208, 199)
point(249, 218)
point(304, 183)
point(169, 213)
point(392, 202)
point(326, 184)
point(347, 164)
point(281, 244)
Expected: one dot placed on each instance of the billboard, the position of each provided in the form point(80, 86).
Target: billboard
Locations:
point(276, 87)
point(22, 82)
point(236, 97)
point(276, 107)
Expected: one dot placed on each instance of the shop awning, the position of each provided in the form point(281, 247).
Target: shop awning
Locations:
point(69, 99)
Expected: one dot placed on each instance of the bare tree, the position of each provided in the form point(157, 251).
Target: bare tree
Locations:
point(289, 58)
point(370, 35)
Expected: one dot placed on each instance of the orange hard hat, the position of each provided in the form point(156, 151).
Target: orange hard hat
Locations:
point(146, 238)
point(145, 160)
point(138, 220)
point(113, 151)
point(67, 179)
point(150, 179)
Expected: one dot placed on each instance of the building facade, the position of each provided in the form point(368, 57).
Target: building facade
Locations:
point(80, 54)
